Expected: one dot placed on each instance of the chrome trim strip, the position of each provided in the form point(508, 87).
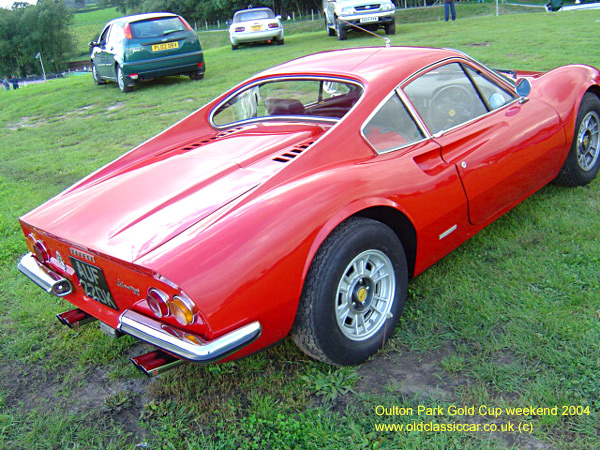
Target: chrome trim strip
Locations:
point(153, 332)
point(42, 276)
point(495, 72)
point(414, 113)
point(448, 231)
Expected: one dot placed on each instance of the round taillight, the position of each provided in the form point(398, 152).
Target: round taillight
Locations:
point(40, 252)
point(30, 242)
point(182, 309)
point(158, 302)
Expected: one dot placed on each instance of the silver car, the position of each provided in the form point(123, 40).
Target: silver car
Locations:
point(255, 25)
point(342, 16)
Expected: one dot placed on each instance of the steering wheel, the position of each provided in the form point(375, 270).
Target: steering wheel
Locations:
point(450, 106)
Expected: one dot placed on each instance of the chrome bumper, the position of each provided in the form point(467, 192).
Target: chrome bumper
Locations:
point(156, 334)
point(48, 280)
point(147, 329)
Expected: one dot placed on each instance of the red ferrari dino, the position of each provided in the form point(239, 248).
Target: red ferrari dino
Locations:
point(304, 199)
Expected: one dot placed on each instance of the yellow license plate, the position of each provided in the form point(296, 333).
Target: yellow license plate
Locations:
point(165, 46)
point(256, 27)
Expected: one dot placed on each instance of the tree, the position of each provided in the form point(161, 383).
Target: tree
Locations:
point(213, 10)
point(30, 29)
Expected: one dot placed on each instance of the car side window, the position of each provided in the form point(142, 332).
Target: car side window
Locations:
point(445, 97)
point(494, 95)
point(104, 36)
point(391, 127)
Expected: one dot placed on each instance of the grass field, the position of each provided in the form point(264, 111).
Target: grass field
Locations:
point(510, 319)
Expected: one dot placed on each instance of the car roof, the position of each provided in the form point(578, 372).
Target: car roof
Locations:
point(253, 9)
point(145, 16)
point(367, 63)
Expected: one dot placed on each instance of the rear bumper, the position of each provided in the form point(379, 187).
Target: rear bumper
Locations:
point(257, 36)
point(168, 65)
point(175, 342)
point(380, 19)
point(45, 278)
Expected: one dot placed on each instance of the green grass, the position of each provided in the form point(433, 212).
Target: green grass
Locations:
point(512, 318)
point(87, 26)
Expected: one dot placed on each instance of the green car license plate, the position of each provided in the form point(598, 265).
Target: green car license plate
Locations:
point(165, 46)
point(93, 282)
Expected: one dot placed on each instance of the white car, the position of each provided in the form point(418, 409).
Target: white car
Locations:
point(342, 16)
point(255, 25)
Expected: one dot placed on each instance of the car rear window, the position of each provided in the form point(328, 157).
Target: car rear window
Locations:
point(253, 15)
point(156, 27)
point(288, 98)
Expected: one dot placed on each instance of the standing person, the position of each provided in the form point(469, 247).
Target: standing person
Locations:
point(15, 81)
point(449, 8)
point(6, 84)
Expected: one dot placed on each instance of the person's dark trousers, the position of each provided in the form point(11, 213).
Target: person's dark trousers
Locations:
point(449, 8)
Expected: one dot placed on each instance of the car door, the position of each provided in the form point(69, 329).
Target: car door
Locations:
point(503, 147)
point(101, 56)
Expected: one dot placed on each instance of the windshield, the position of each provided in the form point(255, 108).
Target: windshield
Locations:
point(322, 98)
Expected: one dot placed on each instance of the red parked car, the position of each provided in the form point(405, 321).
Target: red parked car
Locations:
point(304, 199)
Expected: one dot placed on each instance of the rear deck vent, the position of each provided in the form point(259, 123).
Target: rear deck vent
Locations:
point(289, 155)
point(218, 136)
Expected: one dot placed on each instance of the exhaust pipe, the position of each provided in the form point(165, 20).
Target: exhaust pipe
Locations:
point(75, 318)
point(156, 362)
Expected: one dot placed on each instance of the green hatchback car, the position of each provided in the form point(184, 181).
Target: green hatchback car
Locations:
point(144, 46)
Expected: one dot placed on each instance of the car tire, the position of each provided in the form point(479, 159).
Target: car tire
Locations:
point(280, 41)
point(353, 294)
point(583, 160)
point(97, 79)
point(390, 29)
point(341, 31)
point(124, 86)
point(196, 76)
point(234, 47)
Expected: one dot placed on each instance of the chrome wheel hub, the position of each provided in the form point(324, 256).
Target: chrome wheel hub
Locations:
point(365, 295)
point(588, 139)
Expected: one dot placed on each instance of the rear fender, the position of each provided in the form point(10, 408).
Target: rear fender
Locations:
point(355, 209)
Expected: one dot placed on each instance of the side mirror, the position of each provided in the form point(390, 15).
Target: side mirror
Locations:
point(523, 87)
point(93, 44)
point(496, 100)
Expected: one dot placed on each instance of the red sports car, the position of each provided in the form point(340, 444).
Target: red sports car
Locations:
point(304, 199)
